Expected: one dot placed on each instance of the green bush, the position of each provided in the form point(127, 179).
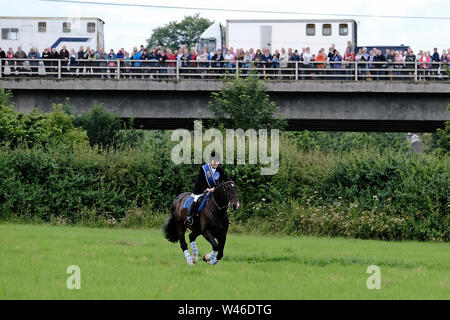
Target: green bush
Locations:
point(444, 138)
point(365, 194)
point(100, 125)
point(36, 128)
point(346, 141)
point(106, 130)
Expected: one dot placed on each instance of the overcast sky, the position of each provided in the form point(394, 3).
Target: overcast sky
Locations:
point(130, 26)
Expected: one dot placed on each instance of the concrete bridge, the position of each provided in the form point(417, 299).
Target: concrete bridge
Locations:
point(417, 106)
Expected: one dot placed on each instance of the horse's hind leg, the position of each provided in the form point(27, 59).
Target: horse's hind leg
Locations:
point(192, 236)
point(211, 258)
point(183, 245)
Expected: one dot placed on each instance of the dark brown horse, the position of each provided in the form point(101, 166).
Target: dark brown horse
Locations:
point(211, 222)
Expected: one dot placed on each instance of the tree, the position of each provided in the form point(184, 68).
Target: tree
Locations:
point(102, 127)
point(244, 103)
point(106, 130)
point(175, 34)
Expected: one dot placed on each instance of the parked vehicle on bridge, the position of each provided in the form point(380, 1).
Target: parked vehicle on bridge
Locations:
point(44, 32)
point(212, 37)
point(277, 34)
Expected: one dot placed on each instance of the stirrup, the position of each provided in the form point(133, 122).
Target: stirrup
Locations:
point(189, 221)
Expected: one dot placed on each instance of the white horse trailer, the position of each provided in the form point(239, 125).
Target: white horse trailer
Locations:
point(295, 34)
point(40, 32)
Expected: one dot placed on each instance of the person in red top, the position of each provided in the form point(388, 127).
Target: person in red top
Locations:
point(192, 57)
point(171, 57)
point(321, 57)
point(349, 58)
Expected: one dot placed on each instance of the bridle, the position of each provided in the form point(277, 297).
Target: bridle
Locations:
point(228, 194)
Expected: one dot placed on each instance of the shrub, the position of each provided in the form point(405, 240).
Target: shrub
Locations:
point(364, 194)
point(101, 127)
point(55, 128)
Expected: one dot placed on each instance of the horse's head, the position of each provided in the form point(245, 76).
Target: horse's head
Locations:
point(230, 190)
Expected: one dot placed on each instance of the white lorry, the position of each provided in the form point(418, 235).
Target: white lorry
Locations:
point(49, 32)
point(277, 34)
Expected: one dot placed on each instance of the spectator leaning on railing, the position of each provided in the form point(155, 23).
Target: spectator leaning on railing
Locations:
point(20, 54)
point(283, 59)
point(424, 60)
point(435, 58)
point(103, 57)
point(336, 58)
point(47, 55)
point(395, 65)
point(34, 62)
point(380, 57)
point(410, 59)
point(266, 59)
point(145, 56)
point(11, 63)
point(184, 58)
point(171, 57)
point(65, 56)
point(192, 57)
point(154, 58)
point(111, 63)
point(54, 63)
point(349, 58)
point(73, 61)
point(240, 55)
point(247, 61)
point(80, 58)
point(90, 57)
point(275, 62)
point(202, 60)
point(321, 59)
point(2, 57)
point(136, 55)
point(217, 58)
point(398, 62)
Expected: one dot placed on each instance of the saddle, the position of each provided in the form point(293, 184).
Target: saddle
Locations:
point(190, 201)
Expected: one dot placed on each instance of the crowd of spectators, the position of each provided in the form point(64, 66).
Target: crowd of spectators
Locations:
point(159, 62)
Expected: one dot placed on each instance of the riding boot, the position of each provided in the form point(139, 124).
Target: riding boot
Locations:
point(189, 218)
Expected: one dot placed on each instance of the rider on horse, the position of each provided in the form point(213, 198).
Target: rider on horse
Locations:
point(210, 175)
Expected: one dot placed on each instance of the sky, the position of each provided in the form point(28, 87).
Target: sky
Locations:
point(131, 26)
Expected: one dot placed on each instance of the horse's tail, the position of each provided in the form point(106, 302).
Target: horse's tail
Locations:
point(170, 230)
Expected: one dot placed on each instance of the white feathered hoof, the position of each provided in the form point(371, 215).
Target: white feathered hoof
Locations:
point(195, 258)
point(190, 263)
point(206, 257)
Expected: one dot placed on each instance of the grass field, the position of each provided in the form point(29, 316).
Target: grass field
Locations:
point(141, 264)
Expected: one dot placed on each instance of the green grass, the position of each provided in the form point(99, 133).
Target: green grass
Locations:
point(141, 264)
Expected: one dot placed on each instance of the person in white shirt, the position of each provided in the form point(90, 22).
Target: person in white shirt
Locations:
point(229, 57)
point(307, 56)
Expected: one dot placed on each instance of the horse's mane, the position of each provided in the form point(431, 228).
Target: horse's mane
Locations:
point(220, 185)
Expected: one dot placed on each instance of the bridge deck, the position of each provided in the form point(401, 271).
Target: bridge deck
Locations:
point(315, 105)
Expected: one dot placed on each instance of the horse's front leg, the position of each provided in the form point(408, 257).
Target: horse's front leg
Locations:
point(222, 241)
point(211, 258)
point(192, 236)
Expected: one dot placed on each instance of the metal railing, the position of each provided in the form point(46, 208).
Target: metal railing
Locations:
point(173, 69)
